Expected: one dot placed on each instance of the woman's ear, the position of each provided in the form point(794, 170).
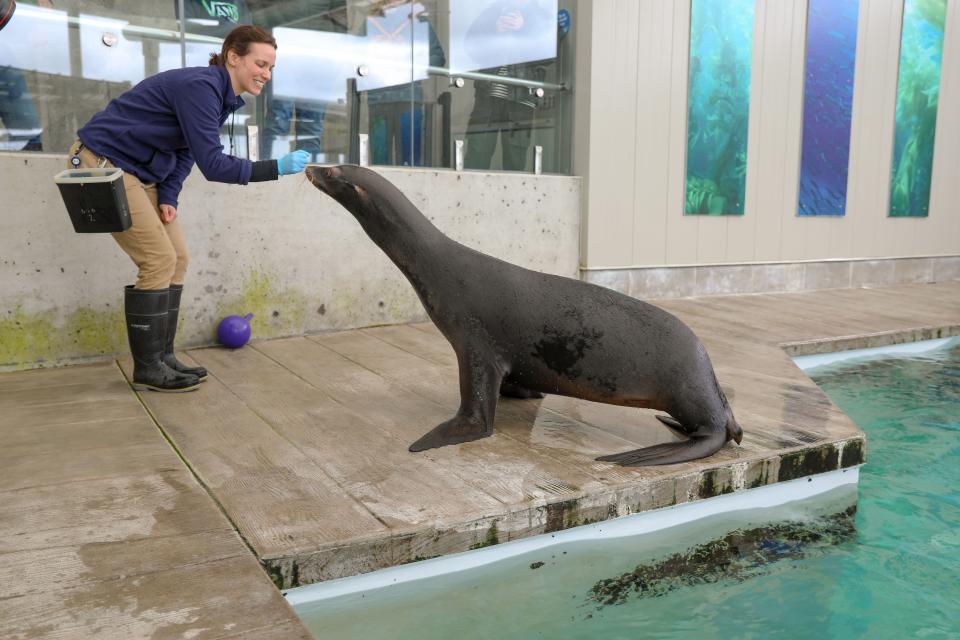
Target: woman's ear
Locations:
point(232, 58)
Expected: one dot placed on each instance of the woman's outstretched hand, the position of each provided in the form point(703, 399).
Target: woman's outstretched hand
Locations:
point(293, 162)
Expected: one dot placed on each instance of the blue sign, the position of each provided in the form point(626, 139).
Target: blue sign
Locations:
point(563, 21)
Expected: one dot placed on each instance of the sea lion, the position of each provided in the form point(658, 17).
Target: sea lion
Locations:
point(522, 333)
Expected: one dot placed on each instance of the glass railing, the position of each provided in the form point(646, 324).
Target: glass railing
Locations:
point(482, 84)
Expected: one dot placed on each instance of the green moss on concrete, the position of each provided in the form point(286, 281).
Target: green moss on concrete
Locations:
point(276, 575)
point(854, 453)
point(559, 515)
point(808, 462)
point(762, 477)
point(737, 556)
point(346, 308)
point(715, 482)
point(27, 339)
point(98, 332)
point(277, 311)
point(421, 558)
point(400, 307)
point(491, 538)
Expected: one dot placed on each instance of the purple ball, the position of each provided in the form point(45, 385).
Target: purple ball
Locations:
point(234, 331)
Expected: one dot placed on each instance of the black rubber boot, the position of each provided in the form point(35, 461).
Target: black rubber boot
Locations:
point(173, 315)
point(146, 312)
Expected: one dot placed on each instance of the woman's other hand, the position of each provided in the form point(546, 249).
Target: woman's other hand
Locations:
point(168, 213)
point(293, 162)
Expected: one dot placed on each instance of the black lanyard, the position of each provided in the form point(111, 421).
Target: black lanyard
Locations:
point(233, 120)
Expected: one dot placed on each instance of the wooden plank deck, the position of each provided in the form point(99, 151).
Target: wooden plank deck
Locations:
point(105, 533)
point(319, 482)
point(297, 454)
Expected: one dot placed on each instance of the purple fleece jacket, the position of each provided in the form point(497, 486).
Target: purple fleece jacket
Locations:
point(157, 129)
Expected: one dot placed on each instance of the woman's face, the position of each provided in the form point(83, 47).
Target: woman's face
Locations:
point(250, 72)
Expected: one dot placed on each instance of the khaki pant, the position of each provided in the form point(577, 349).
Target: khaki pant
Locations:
point(157, 248)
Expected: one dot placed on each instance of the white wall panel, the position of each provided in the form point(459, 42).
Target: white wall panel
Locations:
point(681, 241)
point(945, 196)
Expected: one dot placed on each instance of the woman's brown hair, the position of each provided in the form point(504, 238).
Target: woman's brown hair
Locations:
point(239, 40)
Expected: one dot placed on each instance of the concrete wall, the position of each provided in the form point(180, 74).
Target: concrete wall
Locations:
point(281, 250)
point(631, 110)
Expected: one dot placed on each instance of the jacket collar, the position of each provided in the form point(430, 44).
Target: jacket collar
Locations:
point(230, 100)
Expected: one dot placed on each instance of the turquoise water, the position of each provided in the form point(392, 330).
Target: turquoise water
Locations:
point(897, 575)
point(902, 576)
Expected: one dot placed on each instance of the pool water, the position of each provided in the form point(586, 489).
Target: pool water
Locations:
point(896, 574)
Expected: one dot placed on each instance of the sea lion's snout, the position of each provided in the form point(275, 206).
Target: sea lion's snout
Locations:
point(314, 176)
point(338, 184)
point(324, 178)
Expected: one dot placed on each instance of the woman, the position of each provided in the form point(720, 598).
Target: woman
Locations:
point(155, 132)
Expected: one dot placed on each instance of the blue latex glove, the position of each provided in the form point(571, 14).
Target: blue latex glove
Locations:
point(293, 162)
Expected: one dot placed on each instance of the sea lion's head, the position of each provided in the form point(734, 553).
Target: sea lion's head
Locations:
point(352, 186)
point(734, 430)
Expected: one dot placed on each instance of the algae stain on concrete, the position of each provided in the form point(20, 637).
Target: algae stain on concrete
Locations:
point(401, 306)
point(355, 307)
point(277, 311)
point(492, 537)
point(97, 332)
point(27, 339)
point(346, 307)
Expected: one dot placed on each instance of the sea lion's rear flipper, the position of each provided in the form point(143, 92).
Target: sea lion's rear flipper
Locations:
point(480, 381)
point(698, 446)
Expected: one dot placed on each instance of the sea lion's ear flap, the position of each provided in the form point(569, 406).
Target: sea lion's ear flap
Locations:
point(361, 192)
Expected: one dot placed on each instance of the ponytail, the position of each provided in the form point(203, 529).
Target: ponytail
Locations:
point(239, 40)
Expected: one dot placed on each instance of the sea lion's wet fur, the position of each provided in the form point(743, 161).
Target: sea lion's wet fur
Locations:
point(523, 333)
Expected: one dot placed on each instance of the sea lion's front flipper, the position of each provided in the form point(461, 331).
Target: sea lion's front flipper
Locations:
point(459, 428)
point(673, 425)
point(480, 381)
point(698, 446)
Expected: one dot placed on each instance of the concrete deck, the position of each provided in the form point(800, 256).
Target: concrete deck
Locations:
point(105, 533)
point(297, 458)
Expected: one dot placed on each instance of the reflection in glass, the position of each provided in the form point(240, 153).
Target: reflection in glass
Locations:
point(516, 41)
point(119, 62)
point(390, 30)
point(401, 45)
point(414, 76)
point(33, 43)
point(488, 34)
point(311, 71)
point(36, 40)
point(70, 63)
point(206, 24)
